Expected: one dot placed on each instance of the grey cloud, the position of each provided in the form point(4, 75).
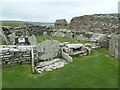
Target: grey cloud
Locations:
point(50, 11)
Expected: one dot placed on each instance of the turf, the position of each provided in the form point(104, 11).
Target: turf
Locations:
point(97, 70)
point(0, 41)
point(41, 38)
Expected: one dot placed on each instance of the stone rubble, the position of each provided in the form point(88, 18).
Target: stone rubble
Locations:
point(81, 38)
point(50, 65)
point(58, 34)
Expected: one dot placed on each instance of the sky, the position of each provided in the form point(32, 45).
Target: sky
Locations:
point(50, 10)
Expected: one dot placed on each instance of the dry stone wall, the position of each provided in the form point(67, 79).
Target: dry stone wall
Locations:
point(98, 23)
point(11, 55)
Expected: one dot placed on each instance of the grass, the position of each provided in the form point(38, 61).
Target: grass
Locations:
point(0, 41)
point(12, 25)
point(0, 78)
point(71, 40)
point(97, 70)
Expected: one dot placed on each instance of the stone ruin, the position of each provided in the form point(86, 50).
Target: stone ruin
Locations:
point(114, 46)
point(60, 23)
point(6, 33)
point(36, 29)
point(100, 40)
point(45, 56)
point(58, 34)
point(13, 54)
point(81, 38)
point(97, 23)
point(63, 33)
point(51, 56)
point(17, 36)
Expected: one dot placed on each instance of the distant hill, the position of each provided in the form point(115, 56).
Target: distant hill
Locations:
point(20, 23)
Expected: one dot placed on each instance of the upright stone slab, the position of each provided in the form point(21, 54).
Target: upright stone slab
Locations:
point(12, 38)
point(114, 46)
point(32, 40)
point(103, 41)
point(66, 56)
point(48, 49)
point(117, 48)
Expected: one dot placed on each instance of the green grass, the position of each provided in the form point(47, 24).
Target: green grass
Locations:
point(71, 40)
point(21, 23)
point(12, 25)
point(0, 41)
point(97, 70)
point(0, 78)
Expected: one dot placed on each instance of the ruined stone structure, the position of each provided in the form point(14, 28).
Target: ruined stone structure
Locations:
point(61, 24)
point(98, 23)
point(17, 36)
point(58, 34)
point(51, 56)
point(114, 46)
point(6, 33)
point(101, 40)
point(45, 56)
point(68, 34)
point(12, 54)
point(36, 30)
point(81, 38)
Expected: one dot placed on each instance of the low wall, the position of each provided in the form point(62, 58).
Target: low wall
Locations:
point(12, 54)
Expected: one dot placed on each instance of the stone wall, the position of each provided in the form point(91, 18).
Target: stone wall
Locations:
point(13, 54)
point(114, 46)
point(100, 23)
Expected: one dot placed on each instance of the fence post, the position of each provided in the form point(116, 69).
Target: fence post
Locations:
point(32, 53)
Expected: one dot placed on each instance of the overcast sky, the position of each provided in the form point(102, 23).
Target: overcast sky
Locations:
point(50, 10)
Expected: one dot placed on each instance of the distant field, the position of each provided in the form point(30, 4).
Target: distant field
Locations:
point(97, 70)
point(21, 23)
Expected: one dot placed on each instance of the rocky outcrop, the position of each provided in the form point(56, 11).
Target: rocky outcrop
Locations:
point(98, 23)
